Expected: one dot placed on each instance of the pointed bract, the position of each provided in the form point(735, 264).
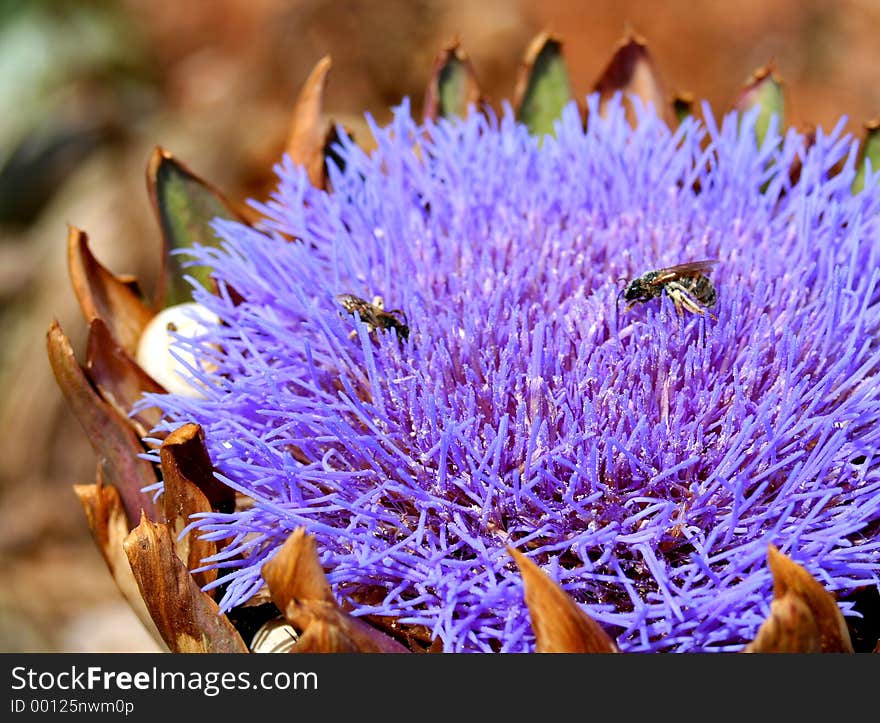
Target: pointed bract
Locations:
point(181, 499)
point(184, 448)
point(187, 618)
point(109, 527)
point(869, 151)
point(559, 624)
point(789, 628)
point(310, 131)
point(102, 295)
point(453, 86)
point(543, 88)
point(110, 434)
point(631, 71)
point(300, 589)
point(185, 206)
point(295, 572)
point(765, 90)
point(791, 581)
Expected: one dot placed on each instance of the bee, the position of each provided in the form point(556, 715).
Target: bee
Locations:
point(374, 314)
point(687, 285)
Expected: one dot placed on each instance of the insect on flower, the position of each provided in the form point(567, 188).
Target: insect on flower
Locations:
point(374, 315)
point(687, 285)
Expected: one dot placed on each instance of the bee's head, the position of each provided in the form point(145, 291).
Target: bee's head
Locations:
point(348, 302)
point(633, 290)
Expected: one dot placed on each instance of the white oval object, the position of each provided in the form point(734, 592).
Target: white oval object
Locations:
point(276, 636)
point(154, 348)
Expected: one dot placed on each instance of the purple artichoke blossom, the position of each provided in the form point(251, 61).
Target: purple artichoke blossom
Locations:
point(644, 459)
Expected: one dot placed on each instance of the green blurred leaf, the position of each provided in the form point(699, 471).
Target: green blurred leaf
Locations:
point(544, 88)
point(683, 106)
point(452, 87)
point(185, 205)
point(870, 151)
point(765, 91)
point(457, 86)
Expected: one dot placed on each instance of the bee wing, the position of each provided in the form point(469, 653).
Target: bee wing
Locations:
point(691, 268)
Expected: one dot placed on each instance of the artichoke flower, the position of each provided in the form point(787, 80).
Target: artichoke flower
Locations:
point(398, 407)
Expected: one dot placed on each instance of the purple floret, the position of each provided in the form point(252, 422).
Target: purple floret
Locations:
point(645, 461)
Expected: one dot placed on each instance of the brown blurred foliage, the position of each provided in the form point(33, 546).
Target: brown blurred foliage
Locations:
point(214, 82)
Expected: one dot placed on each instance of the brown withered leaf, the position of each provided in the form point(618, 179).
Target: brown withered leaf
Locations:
point(109, 527)
point(300, 590)
point(791, 624)
point(110, 434)
point(185, 450)
point(119, 378)
point(789, 628)
point(103, 295)
point(187, 618)
point(453, 86)
point(631, 71)
point(181, 499)
point(559, 624)
point(309, 129)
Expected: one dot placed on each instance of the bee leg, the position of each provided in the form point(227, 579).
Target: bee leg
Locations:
point(678, 298)
point(705, 310)
point(353, 333)
point(692, 305)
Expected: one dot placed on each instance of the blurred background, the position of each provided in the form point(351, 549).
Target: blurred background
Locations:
point(89, 87)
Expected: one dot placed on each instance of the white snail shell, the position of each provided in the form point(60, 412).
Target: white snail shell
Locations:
point(154, 348)
point(276, 636)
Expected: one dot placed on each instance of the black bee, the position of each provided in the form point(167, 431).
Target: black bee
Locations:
point(686, 284)
point(374, 314)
